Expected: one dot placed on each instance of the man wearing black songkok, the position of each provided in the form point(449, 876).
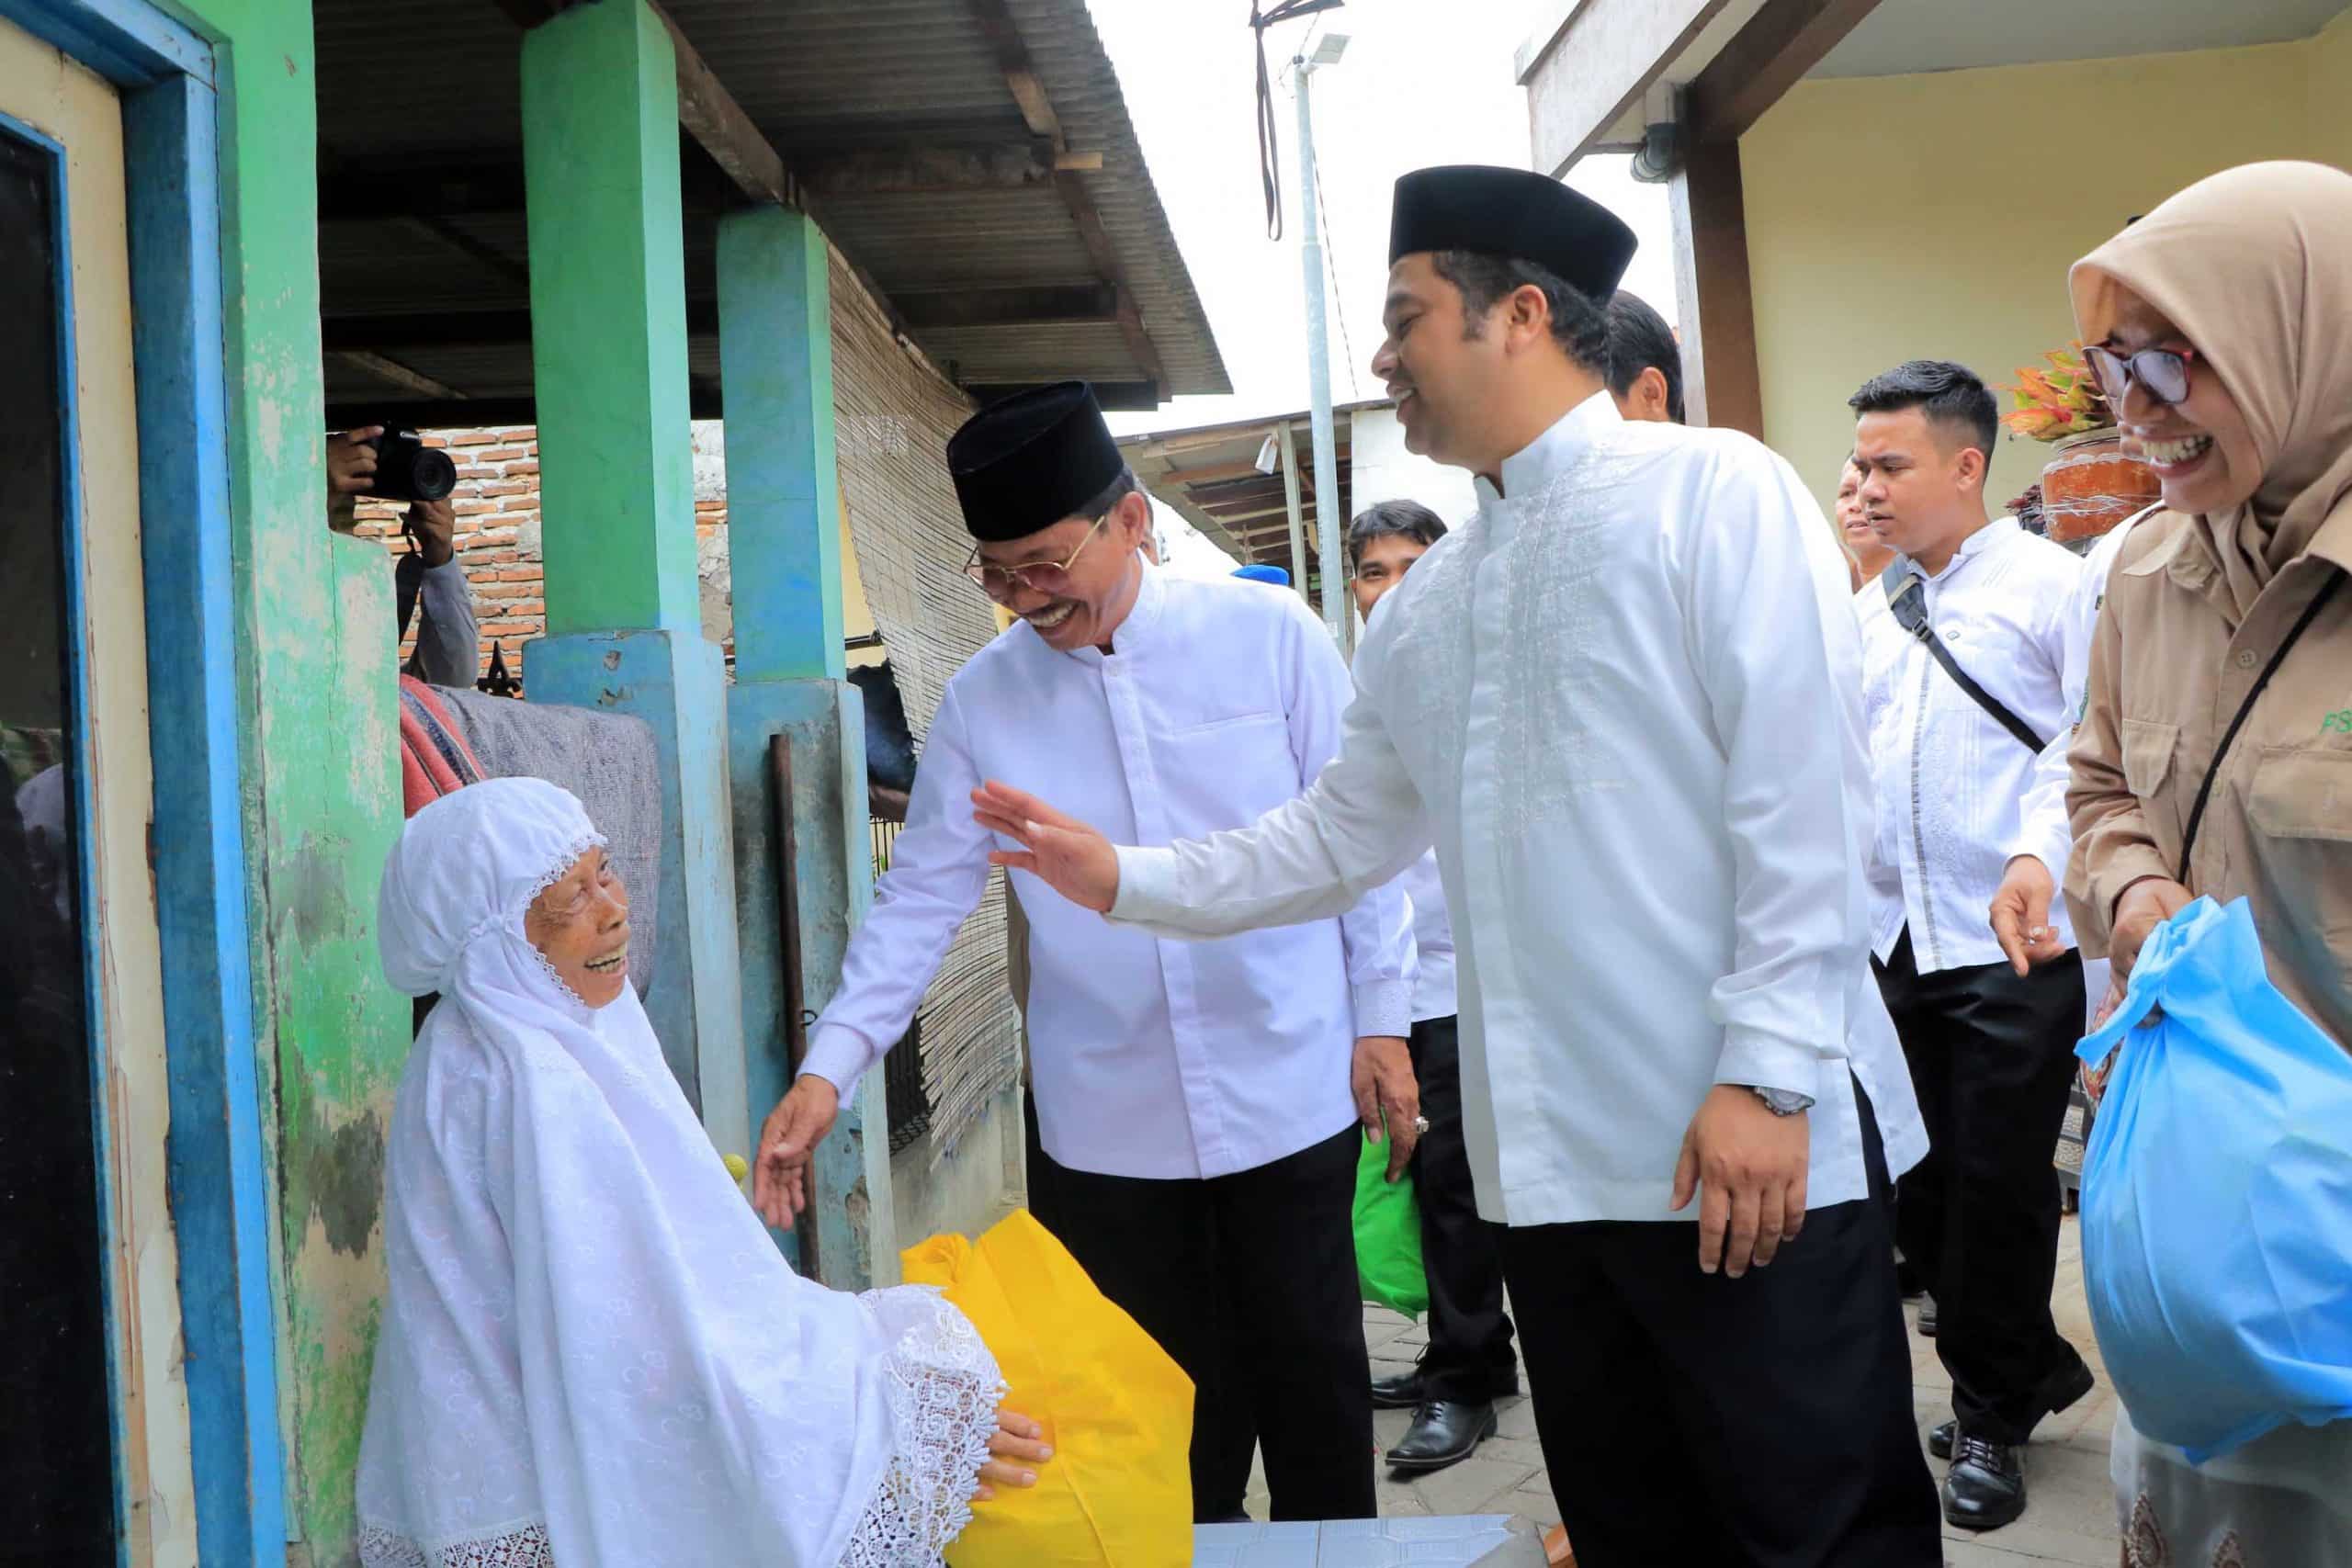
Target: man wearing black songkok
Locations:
point(1624, 701)
point(1196, 1117)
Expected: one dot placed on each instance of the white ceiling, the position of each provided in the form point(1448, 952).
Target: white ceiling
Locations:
point(1901, 37)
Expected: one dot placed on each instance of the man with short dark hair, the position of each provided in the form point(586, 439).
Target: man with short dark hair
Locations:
point(1989, 1049)
point(1644, 362)
point(1622, 701)
point(1198, 1103)
point(1468, 1362)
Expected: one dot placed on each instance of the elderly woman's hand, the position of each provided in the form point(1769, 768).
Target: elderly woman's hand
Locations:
point(2145, 905)
point(1019, 1445)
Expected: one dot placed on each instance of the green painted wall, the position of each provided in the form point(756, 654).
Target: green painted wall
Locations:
point(608, 318)
point(322, 789)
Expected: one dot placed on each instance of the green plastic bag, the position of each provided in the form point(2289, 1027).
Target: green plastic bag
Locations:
point(1389, 1236)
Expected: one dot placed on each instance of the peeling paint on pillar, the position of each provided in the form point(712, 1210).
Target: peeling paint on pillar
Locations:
point(320, 792)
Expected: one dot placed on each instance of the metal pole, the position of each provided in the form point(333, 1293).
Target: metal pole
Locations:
point(1328, 521)
point(1290, 499)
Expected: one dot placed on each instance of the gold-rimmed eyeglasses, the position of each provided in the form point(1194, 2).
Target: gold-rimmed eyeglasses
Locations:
point(1045, 576)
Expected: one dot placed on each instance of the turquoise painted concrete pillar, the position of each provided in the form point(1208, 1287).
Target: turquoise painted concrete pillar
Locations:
point(608, 318)
point(784, 550)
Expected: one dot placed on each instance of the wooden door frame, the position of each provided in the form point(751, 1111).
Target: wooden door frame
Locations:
point(215, 1165)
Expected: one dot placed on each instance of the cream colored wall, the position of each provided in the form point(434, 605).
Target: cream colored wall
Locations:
point(2331, 94)
point(1935, 216)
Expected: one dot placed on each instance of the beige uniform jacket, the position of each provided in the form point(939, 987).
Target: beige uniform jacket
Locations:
point(2169, 668)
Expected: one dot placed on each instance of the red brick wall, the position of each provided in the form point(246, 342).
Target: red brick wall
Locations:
point(497, 503)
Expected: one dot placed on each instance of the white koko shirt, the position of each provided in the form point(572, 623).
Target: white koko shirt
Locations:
point(1952, 784)
point(1431, 972)
point(1623, 702)
point(1219, 701)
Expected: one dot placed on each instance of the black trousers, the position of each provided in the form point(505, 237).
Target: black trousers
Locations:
point(1469, 1357)
point(1690, 1420)
point(1992, 1057)
point(1249, 1283)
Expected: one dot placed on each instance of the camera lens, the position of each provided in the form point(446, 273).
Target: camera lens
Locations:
point(432, 475)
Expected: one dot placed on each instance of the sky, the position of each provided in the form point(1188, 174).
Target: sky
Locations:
point(1410, 91)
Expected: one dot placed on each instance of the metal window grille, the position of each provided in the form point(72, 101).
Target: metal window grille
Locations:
point(908, 1101)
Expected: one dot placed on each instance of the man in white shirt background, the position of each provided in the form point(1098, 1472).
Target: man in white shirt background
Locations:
point(1468, 1362)
point(1622, 701)
point(1197, 1124)
point(1990, 1050)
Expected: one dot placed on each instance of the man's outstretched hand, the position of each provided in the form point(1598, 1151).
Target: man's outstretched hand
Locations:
point(780, 1184)
point(1058, 849)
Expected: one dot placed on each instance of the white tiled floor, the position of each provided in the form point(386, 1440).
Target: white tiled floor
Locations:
point(2071, 1519)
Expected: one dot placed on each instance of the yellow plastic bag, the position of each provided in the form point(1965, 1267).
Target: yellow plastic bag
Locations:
point(1118, 1493)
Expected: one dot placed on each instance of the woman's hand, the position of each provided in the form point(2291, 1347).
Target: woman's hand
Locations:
point(1019, 1446)
point(2145, 905)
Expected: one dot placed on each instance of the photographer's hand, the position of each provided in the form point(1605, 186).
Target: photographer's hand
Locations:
point(433, 526)
point(350, 461)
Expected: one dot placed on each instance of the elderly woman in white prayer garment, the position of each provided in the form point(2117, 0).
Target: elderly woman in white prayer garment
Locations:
point(593, 1354)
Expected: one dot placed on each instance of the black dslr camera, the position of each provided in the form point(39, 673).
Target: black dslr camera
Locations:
point(407, 470)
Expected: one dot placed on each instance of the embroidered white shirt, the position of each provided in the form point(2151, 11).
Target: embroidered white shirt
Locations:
point(1221, 700)
point(1952, 783)
point(1623, 702)
point(1432, 969)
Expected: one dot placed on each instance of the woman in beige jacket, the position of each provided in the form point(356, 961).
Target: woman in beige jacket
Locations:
point(2222, 325)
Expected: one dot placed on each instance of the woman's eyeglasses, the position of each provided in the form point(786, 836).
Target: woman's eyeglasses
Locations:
point(1049, 578)
point(2162, 373)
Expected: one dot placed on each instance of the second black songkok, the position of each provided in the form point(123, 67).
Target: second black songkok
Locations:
point(1026, 462)
point(1512, 212)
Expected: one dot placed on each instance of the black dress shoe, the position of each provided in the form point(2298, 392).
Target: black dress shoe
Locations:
point(1986, 1488)
point(1927, 1318)
point(1443, 1432)
point(1940, 1440)
point(1398, 1390)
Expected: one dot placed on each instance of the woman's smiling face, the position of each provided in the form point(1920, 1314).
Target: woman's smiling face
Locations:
point(580, 925)
point(2202, 451)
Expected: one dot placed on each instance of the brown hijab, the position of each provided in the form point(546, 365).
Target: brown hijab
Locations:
point(2255, 265)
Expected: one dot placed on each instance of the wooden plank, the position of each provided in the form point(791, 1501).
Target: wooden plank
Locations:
point(1137, 396)
point(1009, 165)
point(1716, 304)
point(714, 119)
point(1009, 307)
point(1772, 54)
point(463, 328)
point(399, 375)
point(1003, 34)
point(1597, 66)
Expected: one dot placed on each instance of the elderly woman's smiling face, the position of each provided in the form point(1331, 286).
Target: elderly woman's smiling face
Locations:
point(580, 925)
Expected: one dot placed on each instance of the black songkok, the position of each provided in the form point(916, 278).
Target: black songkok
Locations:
point(1511, 212)
point(1026, 462)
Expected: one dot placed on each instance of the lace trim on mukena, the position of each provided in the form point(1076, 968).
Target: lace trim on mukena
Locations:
point(945, 1389)
point(522, 1547)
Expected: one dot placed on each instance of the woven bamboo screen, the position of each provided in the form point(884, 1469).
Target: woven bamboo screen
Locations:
point(893, 416)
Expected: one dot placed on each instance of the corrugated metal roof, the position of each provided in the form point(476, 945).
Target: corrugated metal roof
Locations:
point(437, 83)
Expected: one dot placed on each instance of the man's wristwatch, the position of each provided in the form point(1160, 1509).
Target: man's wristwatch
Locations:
point(1781, 1101)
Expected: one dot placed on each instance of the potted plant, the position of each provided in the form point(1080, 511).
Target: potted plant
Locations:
point(2091, 482)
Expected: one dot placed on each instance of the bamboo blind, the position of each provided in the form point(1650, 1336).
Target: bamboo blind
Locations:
point(893, 416)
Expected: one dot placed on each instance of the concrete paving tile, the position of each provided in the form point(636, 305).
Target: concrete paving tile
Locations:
point(1515, 1418)
point(1530, 1501)
point(1464, 1488)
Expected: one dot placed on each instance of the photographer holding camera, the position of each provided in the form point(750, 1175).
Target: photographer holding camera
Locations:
point(395, 466)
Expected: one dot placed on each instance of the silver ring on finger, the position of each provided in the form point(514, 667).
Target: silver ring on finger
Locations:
point(1420, 1126)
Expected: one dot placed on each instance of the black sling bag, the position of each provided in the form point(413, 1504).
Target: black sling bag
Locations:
point(1908, 602)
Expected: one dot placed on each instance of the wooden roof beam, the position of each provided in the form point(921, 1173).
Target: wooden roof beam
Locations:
point(1003, 34)
point(917, 170)
point(1772, 53)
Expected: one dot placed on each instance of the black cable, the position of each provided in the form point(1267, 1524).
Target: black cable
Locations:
point(1269, 139)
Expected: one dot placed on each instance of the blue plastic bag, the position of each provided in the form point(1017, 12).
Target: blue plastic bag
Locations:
point(2217, 1196)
